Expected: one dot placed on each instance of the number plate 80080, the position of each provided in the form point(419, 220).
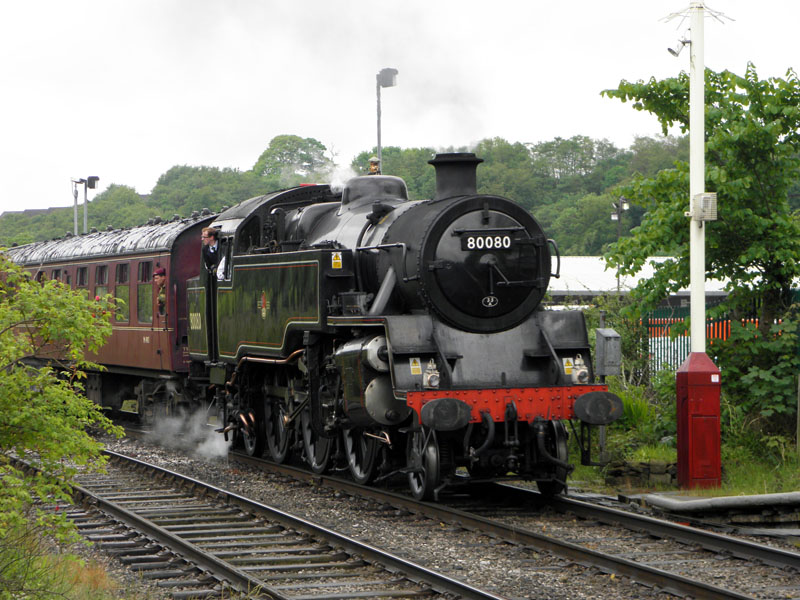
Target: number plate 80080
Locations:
point(486, 241)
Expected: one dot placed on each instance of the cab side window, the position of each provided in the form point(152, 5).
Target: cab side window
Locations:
point(224, 268)
point(249, 236)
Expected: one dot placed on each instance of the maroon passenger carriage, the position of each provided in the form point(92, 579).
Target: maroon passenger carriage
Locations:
point(146, 357)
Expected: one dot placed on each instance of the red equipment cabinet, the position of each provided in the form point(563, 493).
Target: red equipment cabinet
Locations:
point(697, 385)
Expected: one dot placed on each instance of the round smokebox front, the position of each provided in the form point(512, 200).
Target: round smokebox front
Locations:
point(485, 264)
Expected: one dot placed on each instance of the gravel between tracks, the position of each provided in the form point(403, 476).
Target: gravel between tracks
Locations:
point(504, 569)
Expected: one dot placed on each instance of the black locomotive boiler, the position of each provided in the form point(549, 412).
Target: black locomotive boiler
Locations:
point(365, 331)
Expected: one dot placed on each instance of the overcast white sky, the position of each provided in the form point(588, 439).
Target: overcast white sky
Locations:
point(126, 89)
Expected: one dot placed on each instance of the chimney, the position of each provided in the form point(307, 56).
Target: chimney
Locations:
point(455, 174)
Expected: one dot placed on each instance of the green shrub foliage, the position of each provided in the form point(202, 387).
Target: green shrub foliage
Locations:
point(43, 413)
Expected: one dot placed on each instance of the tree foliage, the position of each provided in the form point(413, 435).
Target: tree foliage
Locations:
point(752, 163)
point(43, 412)
point(290, 159)
point(184, 189)
point(552, 179)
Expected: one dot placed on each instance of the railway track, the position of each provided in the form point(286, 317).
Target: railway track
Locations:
point(201, 541)
point(684, 561)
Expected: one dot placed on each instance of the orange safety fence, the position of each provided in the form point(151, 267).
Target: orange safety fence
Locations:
point(718, 329)
point(669, 352)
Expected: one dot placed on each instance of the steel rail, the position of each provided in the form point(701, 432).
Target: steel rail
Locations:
point(412, 571)
point(219, 568)
point(670, 582)
point(709, 540)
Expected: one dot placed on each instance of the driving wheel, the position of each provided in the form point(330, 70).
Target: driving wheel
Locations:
point(422, 461)
point(361, 450)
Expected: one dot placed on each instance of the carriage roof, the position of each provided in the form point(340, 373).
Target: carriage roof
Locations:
point(153, 237)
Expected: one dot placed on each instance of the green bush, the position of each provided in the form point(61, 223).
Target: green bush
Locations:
point(760, 374)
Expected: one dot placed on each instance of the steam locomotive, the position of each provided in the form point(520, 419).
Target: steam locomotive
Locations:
point(353, 329)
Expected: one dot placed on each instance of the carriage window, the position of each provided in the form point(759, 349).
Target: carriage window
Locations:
point(122, 293)
point(56, 274)
point(82, 278)
point(144, 302)
point(122, 273)
point(101, 280)
point(144, 293)
point(67, 278)
point(41, 277)
point(145, 272)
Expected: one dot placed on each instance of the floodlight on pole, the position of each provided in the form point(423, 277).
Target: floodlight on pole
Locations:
point(385, 78)
point(619, 207)
point(88, 183)
point(75, 184)
point(676, 51)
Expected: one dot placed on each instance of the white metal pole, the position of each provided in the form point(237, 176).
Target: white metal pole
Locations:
point(85, 207)
point(697, 253)
point(75, 205)
point(378, 92)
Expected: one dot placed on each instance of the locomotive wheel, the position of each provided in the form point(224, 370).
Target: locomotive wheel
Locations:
point(317, 448)
point(422, 460)
point(253, 439)
point(362, 453)
point(557, 446)
point(275, 430)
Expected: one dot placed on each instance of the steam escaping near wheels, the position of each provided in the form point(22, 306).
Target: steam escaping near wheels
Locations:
point(190, 433)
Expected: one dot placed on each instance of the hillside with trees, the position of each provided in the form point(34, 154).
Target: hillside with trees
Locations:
point(568, 184)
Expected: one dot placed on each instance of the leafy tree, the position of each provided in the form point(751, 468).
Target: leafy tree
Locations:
point(507, 171)
point(291, 158)
point(43, 413)
point(753, 160)
point(584, 226)
point(649, 155)
point(118, 206)
point(565, 158)
point(184, 189)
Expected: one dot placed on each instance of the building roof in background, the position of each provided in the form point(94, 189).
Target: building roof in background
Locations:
point(588, 276)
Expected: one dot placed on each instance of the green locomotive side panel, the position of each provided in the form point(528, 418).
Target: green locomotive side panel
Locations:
point(267, 301)
point(196, 307)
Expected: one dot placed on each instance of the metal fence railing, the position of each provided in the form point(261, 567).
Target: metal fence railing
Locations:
point(668, 350)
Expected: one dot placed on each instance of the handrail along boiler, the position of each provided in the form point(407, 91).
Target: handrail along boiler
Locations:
point(396, 336)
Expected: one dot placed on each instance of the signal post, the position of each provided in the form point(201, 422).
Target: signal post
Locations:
point(698, 379)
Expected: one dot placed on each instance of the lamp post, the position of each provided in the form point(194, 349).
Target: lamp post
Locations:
point(75, 184)
point(619, 207)
point(697, 381)
point(385, 78)
point(88, 183)
point(697, 178)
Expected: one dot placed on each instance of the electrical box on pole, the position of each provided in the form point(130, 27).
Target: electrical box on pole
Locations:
point(697, 384)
